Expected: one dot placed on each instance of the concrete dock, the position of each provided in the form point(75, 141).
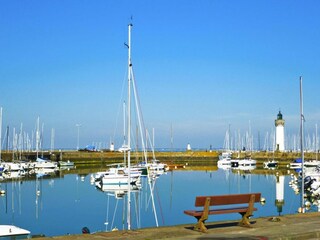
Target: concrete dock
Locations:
point(297, 226)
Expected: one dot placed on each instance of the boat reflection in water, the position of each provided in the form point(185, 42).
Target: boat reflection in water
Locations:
point(143, 200)
point(118, 191)
point(311, 186)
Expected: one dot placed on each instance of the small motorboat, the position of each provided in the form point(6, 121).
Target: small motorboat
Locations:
point(12, 231)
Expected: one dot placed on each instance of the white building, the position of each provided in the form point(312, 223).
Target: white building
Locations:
point(188, 147)
point(279, 123)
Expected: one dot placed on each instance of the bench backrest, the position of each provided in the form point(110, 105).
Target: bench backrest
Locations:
point(227, 199)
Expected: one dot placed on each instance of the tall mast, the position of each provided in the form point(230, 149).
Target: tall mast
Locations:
point(129, 125)
point(38, 136)
point(0, 131)
point(302, 146)
point(316, 148)
point(124, 132)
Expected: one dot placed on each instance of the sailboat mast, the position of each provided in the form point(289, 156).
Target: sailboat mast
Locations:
point(37, 136)
point(316, 148)
point(124, 132)
point(302, 146)
point(129, 125)
point(0, 131)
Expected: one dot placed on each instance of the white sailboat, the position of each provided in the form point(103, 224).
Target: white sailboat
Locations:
point(302, 147)
point(126, 178)
point(131, 82)
point(271, 164)
point(314, 162)
point(41, 163)
point(118, 174)
point(153, 167)
point(12, 231)
point(224, 160)
point(9, 230)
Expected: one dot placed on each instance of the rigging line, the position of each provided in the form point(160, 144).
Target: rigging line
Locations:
point(120, 102)
point(151, 144)
point(152, 200)
point(4, 140)
point(138, 102)
point(136, 201)
point(151, 188)
point(124, 213)
point(107, 216)
point(160, 206)
point(114, 214)
point(155, 211)
point(139, 115)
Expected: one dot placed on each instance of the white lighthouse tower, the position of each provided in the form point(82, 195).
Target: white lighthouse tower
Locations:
point(279, 123)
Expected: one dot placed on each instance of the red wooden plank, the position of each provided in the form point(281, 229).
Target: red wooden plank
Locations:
point(227, 199)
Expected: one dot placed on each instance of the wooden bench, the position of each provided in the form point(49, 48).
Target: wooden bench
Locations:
point(243, 204)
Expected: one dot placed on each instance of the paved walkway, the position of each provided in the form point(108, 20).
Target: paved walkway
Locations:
point(298, 226)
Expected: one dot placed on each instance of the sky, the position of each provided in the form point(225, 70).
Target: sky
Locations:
point(201, 68)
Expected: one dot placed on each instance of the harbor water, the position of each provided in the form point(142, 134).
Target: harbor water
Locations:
point(63, 203)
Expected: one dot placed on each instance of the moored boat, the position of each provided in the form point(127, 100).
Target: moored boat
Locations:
point(13, 231)
point(224, 160)
point(270, 164)
point(67, 163)
point(118, 176)
point(44, 163)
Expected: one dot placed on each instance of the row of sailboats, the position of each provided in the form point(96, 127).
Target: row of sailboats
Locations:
point(19, 168)
point(226, 161)
point(10, 230)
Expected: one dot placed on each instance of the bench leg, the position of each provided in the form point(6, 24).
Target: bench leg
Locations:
point(200, 225)
point(201, 219)
point(245, 220)
point(245, 216)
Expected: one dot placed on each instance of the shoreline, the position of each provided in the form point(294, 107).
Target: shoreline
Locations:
point(291, 226)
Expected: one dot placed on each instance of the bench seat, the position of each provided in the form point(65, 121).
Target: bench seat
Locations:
point(195, 213)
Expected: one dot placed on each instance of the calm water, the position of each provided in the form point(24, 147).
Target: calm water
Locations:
point(61, 205)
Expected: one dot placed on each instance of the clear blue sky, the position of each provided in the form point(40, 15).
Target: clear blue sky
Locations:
point(200, 66)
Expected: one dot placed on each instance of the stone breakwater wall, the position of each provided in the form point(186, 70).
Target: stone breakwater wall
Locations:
point(190, 157)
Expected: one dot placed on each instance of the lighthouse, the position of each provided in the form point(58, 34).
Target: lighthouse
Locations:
point(279, 123)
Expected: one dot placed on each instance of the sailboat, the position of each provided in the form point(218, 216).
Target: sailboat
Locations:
point(224, 161)
point(271, 164)
point(152, 167)
point(124, 177)
point(248, 163)
point(41, 163)
point(119, 174)
point(315, 162)
point(302, 119)
point(12, 231)
point(9, 230)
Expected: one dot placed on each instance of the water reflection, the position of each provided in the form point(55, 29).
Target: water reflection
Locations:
point(62, 202)
point(311, 189)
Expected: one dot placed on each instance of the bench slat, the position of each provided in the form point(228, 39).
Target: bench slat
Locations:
point(227, 199)
point(195, 213)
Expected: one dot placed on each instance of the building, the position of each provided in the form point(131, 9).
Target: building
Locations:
point(279, 123)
